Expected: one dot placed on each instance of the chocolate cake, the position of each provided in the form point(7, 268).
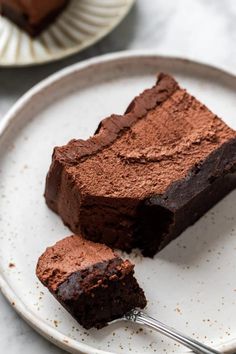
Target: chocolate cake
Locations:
point(90, 281)
point(144, 177)
point(33, 16)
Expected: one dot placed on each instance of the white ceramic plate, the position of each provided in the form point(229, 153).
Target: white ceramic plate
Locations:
point(80, 25)
point(190, 285)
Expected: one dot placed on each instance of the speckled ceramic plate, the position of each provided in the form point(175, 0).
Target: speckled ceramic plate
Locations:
point(82, 24)
point(190, 285)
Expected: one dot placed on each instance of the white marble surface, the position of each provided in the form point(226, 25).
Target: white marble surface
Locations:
point(204, 30)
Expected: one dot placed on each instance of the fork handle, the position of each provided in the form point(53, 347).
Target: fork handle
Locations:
point(143, 319)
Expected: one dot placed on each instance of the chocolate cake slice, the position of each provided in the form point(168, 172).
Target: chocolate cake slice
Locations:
point(90, 281)
point(33, 16)
point(144, 177)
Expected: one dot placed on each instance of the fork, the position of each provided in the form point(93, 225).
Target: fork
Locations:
point(140, 317)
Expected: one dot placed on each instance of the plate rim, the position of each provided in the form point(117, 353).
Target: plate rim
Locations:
point(76, 48)
point(48, 332)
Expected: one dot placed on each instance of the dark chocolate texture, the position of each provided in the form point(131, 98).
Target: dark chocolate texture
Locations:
point(145, 176)
point(33, 16)
point(90, 281)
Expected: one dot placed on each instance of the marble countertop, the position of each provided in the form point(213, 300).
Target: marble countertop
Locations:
point(203, 30)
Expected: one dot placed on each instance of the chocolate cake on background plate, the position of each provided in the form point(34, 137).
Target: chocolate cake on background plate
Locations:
point(93, 283)
point(33, 16)
point(144, 177)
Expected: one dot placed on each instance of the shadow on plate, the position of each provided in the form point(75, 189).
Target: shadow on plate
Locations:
point(210, 234)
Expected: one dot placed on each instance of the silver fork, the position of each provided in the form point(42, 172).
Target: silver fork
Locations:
point(140, 317)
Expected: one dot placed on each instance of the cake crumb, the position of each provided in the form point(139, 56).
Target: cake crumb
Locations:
point(177, 309)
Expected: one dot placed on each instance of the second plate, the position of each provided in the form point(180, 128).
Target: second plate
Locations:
point(82, 24)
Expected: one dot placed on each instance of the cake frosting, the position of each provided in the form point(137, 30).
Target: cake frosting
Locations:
point(33, 16)
point(162, 155)
point(71, 255)
point(36, 10)
point(175, 135)
point(93, 283)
